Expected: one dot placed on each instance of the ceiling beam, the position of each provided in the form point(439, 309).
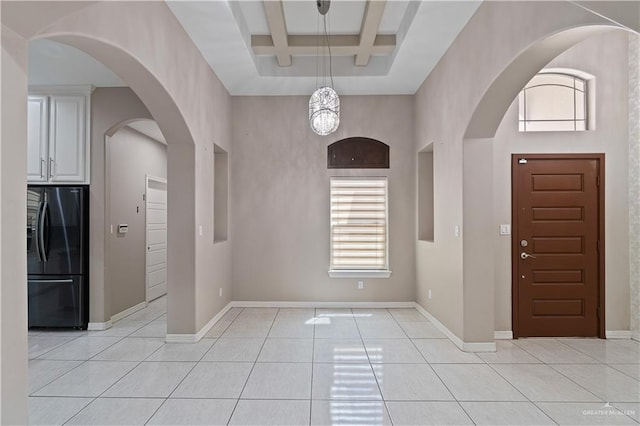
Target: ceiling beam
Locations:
point(274, 11)
point(370, 24)
point(307, 45)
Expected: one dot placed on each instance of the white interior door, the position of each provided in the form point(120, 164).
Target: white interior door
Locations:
point(156, 230)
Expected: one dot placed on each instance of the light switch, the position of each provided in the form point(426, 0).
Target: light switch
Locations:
point(505, 229)
point(456, 230)
point(123, 228)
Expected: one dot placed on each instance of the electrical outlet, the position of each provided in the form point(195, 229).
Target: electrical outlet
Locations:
point(429, 294)
point(360, 285)
point(200, 230)
point(220, 291)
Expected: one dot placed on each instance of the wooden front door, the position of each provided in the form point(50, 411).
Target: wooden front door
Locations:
point(558, 250)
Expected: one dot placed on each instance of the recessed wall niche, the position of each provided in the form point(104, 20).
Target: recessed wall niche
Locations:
point(425, 194)
point(220, 194)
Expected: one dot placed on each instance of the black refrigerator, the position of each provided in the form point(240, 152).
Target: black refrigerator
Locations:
point(58, 255)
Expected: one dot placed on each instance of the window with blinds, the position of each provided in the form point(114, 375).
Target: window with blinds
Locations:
point(359, 224)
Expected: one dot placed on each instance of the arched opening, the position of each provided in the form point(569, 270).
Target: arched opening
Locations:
point(483, 167)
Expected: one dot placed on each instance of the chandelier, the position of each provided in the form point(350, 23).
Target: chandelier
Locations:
point(324, 104)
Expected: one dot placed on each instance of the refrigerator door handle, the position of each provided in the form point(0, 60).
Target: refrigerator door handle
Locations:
point(43, 216)
point(36, 237)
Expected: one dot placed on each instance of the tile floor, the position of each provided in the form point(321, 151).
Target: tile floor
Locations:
point(322, 367)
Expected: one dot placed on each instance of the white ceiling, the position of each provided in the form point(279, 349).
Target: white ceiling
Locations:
point(222, 31)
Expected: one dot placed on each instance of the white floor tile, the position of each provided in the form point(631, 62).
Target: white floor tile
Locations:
point(585, 414)
point(380, 330)
point(130, 349)
point(54, 411)
point(296, 314)
point(157, 328)
point(292, 328)
point(82, 348)
point(542, 383)
point(371, 314)
point(44, 371)
point(151, 380)
point(40, 345)
point(476, 382)
point(260, 314)
point(506, 414)
point(182, 351)
point(120, 329)
point(271, 413)
point(339, 351)
point(442, 351)
point(234, 349)
point(410, 382)
point(116, 411)
point(607, 351)
point(88, 380)
point(279, 381)
point(630, 409)
point(287, 350)
point(218, 328)
point(214, 380)
point(551, 351)
point(336, 328)
point(427, 413)
point(421, 330)
point(394, 351)
point(247, 329)
point(194, 412)
point(365, 413)
point(407, 315)
point(350, 382)
point(603, 381)
point(631, 370)
point(508, 353)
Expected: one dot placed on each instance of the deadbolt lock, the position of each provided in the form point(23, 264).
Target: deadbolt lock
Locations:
point(524, 243)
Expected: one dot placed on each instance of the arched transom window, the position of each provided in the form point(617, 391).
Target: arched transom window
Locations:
point(553, 101)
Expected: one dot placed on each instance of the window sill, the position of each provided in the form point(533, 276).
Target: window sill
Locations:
point(359, 274)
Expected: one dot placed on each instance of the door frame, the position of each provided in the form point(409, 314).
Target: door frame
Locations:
point(163, 181)
point(515, 249)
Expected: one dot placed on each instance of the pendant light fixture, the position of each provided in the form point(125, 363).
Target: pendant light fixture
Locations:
point(324, 104)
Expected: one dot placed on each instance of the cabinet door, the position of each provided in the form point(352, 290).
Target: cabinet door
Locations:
point(67, 139)
point(37, 126)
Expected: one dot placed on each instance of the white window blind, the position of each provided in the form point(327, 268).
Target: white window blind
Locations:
point(359, 224)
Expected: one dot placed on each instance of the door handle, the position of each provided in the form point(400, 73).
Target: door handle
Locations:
point(43, 217)
point(524, 255)
point(42, 166)
point(36, 233)
point(52, 170)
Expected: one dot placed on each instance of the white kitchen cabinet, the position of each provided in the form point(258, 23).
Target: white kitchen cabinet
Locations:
point(37, 139)
point(58, 136)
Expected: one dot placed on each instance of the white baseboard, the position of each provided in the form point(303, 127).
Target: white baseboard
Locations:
point(617, 334)
point(99, 326)
point(503, 335)
point(463, 346)
point(635, 335)
point(194, 338)
point(248, 304)
point(120, 315)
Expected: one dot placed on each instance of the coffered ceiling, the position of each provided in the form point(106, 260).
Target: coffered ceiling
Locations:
point(274, 47)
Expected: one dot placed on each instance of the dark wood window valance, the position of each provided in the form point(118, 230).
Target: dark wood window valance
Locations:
point(358, 153)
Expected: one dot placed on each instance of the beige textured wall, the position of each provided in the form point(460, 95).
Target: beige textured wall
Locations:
point(111, 108)
point(452, 101)
point(13, 248)
point(280, 198)
point(131, 156)
point(605, 57)
point(634, 181)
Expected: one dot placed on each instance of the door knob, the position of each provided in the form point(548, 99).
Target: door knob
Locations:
point(524, 255)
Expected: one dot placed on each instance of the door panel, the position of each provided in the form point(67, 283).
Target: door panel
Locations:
point(156, 224)
point(64, 225)
point(556, 213)
point(67, 138)
point(37, 139)
point(35, 198)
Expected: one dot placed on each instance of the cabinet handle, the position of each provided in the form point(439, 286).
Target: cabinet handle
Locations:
point(42, 166)
point(52, 170)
